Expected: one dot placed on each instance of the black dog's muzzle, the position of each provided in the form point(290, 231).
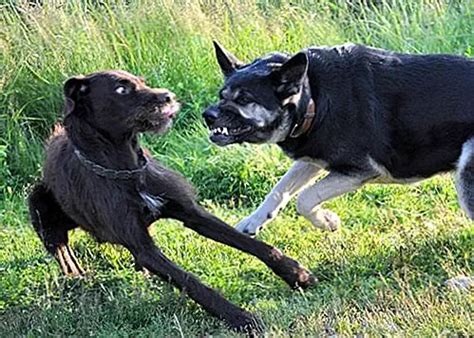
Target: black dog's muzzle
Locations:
point(210, 115)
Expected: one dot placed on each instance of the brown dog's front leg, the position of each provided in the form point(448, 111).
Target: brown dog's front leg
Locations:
point(150, 257)
point(210, 226)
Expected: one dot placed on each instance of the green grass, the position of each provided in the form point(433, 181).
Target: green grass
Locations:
point(382, 273)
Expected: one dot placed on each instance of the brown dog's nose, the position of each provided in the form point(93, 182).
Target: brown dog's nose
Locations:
point(164, 96)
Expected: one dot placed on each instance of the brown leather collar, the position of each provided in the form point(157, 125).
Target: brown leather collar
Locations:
point(302, 127)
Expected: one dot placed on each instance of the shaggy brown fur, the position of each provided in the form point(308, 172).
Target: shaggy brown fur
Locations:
point(97, 177)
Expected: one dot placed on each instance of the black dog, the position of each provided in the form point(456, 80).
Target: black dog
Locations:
point(363, 114)
point(97, 177)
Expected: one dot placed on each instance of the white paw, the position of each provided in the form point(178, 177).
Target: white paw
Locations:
point(325, 219)
point(460, 283)
point(252, 224)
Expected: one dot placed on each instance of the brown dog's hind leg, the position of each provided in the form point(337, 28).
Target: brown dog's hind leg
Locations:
point(149, 256)
point(293, 273)
point(52, 225)
point(68, 261)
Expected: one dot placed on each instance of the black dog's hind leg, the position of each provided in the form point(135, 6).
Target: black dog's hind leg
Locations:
point(465, 178)
point(52, 226)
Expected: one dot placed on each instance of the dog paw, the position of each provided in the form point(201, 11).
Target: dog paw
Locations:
point(292, 272)
point(461, 283)
point(246, 322)
point(301, 278)
point(325, 220)
point(251, 225)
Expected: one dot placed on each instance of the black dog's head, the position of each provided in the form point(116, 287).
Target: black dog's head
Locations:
point(258, 100)
point(118, 103)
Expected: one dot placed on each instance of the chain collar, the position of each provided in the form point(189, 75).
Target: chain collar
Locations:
point(112, 173)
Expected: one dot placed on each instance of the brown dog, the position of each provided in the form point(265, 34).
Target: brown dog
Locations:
point(97, 177)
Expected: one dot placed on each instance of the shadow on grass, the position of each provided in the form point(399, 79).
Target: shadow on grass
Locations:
point(104, 304)
point(118, 300)
point(417, 264)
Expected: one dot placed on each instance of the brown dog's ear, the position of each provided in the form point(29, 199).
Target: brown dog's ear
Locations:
point(227, 61)
point(73, 88)
point(289, 78)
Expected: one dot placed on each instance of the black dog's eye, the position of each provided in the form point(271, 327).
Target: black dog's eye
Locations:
point(122, 90)
point(243, 100)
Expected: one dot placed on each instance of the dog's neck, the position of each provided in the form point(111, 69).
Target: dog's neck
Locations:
point(304, 112)
point(109, 151)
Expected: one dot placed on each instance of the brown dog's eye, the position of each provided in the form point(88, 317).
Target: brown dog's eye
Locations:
point(122, 90)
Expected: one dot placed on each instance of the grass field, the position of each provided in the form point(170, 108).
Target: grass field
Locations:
point(381, 274)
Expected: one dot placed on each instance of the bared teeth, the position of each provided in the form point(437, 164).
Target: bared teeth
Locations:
point(220, 130)
point(224, 131)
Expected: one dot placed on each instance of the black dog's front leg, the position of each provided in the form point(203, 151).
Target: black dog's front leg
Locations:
point(149, 256)
point(210, 226)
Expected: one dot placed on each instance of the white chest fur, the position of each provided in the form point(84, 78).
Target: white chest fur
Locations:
point(154, 203)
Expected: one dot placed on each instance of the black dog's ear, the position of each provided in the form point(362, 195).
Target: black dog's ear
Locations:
point(228, 62)
point(289, 77)
point(73, 88)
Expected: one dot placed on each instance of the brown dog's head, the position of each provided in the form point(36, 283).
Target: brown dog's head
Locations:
point(118, 103)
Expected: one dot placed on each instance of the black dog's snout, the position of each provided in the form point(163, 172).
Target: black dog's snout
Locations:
point(210, 115)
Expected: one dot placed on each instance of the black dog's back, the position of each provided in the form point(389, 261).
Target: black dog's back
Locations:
point(409, 113)
point(431, 113)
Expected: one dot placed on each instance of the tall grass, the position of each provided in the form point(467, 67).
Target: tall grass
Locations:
point(169, 42)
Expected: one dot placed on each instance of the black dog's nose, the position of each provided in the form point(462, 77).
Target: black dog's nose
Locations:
point(210, 115)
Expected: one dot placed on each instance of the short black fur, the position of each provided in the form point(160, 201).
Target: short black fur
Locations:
point(363, 114)
point(408, 113)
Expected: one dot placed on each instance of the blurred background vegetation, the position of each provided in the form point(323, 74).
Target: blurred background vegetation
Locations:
point(169, 43)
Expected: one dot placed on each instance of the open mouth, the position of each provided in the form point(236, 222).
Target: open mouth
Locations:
point(168, 111)
point(225, 135)
point(230, 131)
point(154, 125)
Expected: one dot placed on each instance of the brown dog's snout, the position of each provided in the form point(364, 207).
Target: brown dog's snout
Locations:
point(167, 102)
point(164, 96)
